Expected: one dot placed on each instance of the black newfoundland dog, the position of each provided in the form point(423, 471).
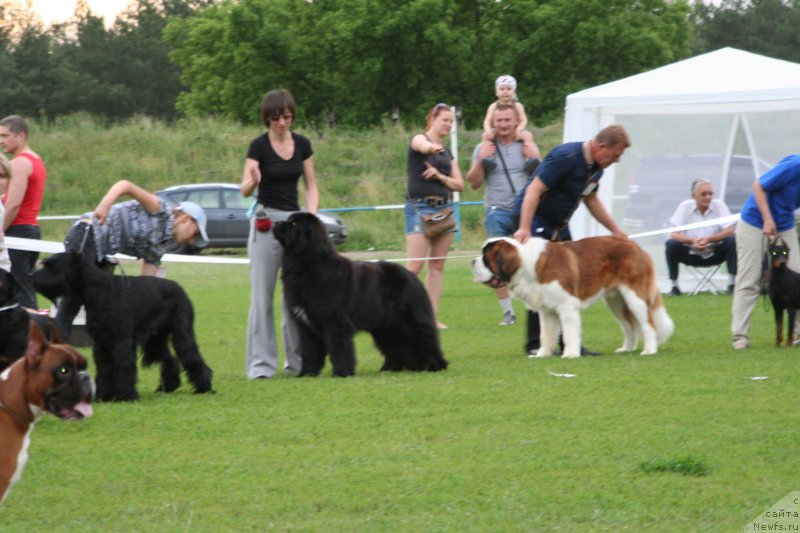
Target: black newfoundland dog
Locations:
point(333, 297)
point(123, 312)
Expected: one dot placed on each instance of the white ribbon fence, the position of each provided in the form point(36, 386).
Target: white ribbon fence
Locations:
point(52, 247)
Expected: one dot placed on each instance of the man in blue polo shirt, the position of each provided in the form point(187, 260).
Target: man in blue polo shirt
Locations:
point(568, 175)
point(767, 212)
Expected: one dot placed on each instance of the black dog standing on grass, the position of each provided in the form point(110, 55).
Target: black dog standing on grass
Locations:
point(123, 312)
point(784, 290)
point(15, 322)
point(333, 297)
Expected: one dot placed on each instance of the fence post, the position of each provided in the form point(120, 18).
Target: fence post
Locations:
point(454, 150)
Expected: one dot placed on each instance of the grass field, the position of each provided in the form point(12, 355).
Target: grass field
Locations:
point(680, 441)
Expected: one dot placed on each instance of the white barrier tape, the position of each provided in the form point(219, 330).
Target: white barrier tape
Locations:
point(664, 231)
point(50, 247)
point(34, 245)
point(213, 259)
point(60, 217)
point(713, 222)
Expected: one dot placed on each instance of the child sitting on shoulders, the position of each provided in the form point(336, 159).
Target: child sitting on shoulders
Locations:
point(506, 92)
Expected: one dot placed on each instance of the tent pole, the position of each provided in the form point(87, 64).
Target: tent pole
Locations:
point(726, 161)
point(751, 145)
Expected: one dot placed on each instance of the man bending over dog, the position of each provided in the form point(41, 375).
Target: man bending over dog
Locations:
point(708, 246)
point(144, 227)
point(568, 175)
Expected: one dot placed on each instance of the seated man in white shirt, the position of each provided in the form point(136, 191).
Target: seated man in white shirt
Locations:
point(706, 246)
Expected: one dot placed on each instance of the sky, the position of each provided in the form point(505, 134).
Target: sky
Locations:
point(60, 10)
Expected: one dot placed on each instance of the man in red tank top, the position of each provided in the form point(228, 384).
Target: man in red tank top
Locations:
point(22, 201)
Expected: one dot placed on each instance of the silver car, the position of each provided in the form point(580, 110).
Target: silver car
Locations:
point(226, 209)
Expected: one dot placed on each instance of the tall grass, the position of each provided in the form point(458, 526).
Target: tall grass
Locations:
point(354, 169)
point(683, 440)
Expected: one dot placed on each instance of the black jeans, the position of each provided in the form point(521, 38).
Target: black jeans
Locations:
point(678, 253)
point(553, 234)
point(23, 263)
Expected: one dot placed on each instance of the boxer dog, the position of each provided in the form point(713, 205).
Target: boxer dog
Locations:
point(50, 378)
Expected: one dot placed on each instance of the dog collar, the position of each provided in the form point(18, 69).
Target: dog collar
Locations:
point(16, 415)
point(6, 308)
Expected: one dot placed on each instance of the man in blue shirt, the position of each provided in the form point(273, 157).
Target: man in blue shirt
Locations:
point(768, 211)
point(568, 175)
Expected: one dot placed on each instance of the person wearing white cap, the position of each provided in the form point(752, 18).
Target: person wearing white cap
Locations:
point(145, 228)
point(505, 88)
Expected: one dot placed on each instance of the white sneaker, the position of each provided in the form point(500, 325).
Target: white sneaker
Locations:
point(509, 319)
point(740, 344)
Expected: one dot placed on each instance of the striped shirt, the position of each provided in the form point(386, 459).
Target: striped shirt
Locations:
point(131, 230)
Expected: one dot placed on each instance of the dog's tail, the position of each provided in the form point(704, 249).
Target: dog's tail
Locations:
point(661, 319)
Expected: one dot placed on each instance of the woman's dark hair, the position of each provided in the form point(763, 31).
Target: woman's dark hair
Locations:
point(276, 103)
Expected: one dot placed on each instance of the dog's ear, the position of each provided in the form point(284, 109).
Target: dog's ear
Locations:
point(503, 268)
point(55, 335)
point(505, 259)
point(36, 347)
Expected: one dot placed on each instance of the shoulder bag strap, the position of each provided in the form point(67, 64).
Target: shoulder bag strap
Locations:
point(505, 169)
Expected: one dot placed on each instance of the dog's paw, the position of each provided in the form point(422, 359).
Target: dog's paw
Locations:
point(648, 352)
point(623, 349)
point(570, 355)
point(542, 352)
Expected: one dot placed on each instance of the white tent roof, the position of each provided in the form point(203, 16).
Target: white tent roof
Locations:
point(724, 81)
point(726, 84)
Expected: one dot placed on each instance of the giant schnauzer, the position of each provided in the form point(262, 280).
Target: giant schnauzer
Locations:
point(15, 323)
point(122, 312)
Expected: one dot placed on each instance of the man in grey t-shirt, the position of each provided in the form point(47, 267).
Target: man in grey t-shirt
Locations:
point(503, 182)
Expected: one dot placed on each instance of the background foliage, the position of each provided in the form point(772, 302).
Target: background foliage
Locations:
point(354, 168)
point(357, 62)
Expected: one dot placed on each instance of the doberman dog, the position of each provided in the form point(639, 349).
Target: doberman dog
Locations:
point(784, 289)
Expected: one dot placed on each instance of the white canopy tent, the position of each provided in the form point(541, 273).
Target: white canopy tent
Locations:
point(721, 104)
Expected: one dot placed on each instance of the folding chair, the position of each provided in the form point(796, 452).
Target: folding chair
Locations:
point(704, 277)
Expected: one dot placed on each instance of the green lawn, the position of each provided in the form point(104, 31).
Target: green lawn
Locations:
point(679, 441)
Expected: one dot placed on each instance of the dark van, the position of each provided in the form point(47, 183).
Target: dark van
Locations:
point(661, 182)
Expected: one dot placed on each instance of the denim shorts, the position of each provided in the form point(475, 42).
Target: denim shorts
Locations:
point(413, 214)
point(499, 222)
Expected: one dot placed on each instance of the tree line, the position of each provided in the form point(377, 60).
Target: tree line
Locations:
point(359, 63)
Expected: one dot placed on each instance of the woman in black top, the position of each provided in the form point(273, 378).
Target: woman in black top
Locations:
point(274, 164)
point(433, 175)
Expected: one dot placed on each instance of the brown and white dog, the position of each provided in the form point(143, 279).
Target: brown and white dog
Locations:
point(559, 279)
point(51, 378)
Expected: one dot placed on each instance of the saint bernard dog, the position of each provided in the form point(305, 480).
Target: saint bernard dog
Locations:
point(559, 279)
